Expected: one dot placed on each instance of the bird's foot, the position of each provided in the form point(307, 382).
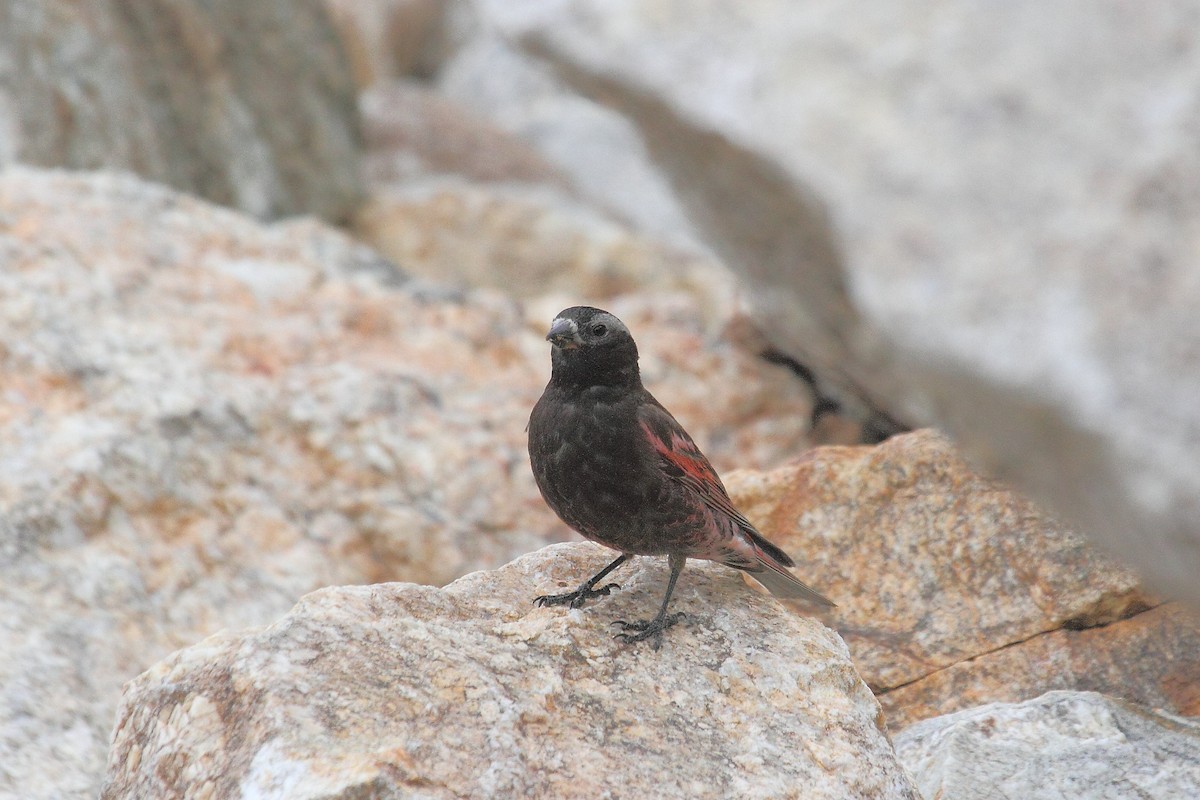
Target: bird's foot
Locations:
point(641, 630)
point(574, 599)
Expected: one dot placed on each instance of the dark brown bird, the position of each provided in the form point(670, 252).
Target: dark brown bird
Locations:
point(616, 466)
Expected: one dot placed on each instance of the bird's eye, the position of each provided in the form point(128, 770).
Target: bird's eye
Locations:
point(599, 329)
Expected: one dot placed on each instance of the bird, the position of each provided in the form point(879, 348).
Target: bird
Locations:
point(617, 467)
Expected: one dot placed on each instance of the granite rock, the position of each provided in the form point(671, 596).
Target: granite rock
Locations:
point(411, 133)
point(398, 690)
point(598, 150)
point(1151, 659)
point(528, 240)
point(936, 569)
point(206, 417)
point(384, 39)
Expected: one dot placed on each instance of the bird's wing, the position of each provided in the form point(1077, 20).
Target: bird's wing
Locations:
point(681, 460)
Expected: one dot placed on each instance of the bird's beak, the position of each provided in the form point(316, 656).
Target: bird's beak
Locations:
point(564, 333)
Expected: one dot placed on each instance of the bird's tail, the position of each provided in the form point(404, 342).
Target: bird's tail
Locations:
point(772, 573)
point(782, 583)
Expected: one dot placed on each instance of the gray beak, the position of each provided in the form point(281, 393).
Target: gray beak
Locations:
point(564, 333)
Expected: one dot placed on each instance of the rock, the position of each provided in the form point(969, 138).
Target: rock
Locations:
point(457, 200)
point(1062, 356)
point(411, 133)
point(384, 39)
point(596, 148)
point(1150, 659)
point(1062, 745)
point(936, 569)
point(527, 240)
point(248, 105)
point(399, 690)
point(206, 417)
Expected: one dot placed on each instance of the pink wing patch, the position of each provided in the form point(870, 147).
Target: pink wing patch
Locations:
point(681, 459)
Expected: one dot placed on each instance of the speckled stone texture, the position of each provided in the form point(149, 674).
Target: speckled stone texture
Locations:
point(205, 417)
point(1061, 746)
point(954, 590)
point(398, 690)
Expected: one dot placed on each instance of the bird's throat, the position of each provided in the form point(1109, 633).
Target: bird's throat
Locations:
point(580, 369)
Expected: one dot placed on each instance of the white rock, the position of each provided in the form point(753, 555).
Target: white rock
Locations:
point(1061, 746)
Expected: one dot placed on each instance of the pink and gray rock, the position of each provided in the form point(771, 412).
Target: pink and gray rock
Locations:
point(398, 690)
point(206, 417)
point(412, 133)
point(1151, 658)
point(953, 590)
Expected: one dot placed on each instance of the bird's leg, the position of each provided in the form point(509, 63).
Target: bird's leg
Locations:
point(585, 592)
point(653, 628)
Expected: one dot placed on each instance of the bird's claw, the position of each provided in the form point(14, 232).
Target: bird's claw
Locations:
point(646, 629)
point(574, 599)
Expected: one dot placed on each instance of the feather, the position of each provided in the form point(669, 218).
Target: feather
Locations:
point(782, 583)
point(680, 458)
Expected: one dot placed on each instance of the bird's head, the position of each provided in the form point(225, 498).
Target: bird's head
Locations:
point(591, 347)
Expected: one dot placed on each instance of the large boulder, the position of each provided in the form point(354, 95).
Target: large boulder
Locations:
point(953, 590)
point(246, 104)
point(1061, 746)
point(398, 690)
point(206, 417)
point(1008, 197)
point(528, 240)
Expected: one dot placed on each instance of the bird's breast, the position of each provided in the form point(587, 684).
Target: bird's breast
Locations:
point(586, 462)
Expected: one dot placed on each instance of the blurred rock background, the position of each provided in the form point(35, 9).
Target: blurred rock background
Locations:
point(274, 279)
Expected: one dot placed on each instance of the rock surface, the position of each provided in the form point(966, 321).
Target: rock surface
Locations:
point(1061, 746)
point(953, 590)
point(1151, 658)
point(399, 690)
point(599, 150)
point(527, 240)
point(384, 39)
point(1031, 177)
point(246, 104)
point(206, 417)
point(411, 133)
point(456, 200)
